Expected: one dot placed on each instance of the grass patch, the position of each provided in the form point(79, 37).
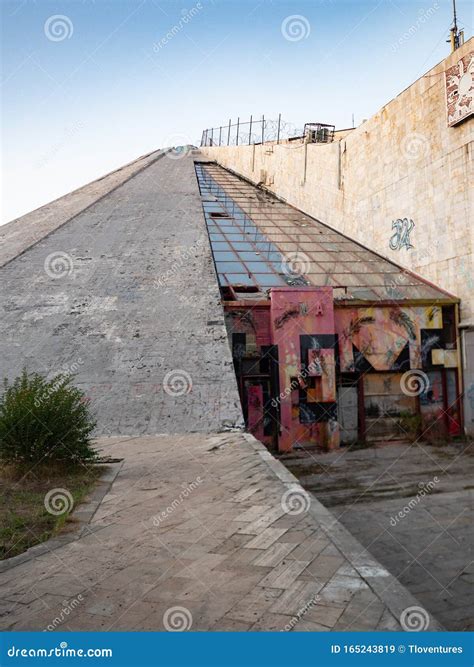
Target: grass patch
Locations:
point(24, 519)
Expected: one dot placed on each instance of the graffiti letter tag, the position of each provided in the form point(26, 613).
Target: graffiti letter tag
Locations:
point(401, 238)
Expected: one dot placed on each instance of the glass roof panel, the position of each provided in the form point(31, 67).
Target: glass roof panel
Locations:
point(224, 256)
point(239, 279)
point(269, 280)
point(261, 231)
point(230, 267)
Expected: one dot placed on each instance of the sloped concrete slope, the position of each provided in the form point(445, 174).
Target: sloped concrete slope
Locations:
point(125, 296)
point(22, 233)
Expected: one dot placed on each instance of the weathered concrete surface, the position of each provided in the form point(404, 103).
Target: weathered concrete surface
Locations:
point(131, 297)
point(411, 506)
point(201, 523)
point(21, 233)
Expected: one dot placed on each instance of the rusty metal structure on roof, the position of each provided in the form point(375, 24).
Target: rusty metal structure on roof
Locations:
point(319, 133)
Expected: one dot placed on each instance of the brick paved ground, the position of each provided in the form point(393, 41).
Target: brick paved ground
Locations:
point(197, 523)
point(425, 540)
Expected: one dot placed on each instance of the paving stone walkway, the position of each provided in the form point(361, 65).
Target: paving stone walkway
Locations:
point(204, 533)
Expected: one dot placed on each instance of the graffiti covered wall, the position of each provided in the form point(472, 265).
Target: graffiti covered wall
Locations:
point(305, 365)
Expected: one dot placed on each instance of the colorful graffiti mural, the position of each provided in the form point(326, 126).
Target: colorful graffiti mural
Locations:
point(386, 338)
point(293, 351)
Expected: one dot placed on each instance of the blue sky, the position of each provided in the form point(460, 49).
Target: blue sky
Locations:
point(96, 88)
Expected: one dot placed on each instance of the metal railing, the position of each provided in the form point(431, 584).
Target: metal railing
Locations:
point(253, 131)
point(262, 130)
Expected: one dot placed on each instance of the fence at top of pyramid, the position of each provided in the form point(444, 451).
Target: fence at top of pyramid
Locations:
point(253, 131)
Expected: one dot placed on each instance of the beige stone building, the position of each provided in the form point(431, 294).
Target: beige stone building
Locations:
point(400, 183)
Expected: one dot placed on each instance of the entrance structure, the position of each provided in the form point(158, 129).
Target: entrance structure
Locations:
point(400, 182)
point(331, 342)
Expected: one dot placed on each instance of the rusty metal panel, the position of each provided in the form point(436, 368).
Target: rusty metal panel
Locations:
point(255, 410)
point(308, 313)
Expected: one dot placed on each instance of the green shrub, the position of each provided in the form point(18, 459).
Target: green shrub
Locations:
point(45, 421)
point(410, 424)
